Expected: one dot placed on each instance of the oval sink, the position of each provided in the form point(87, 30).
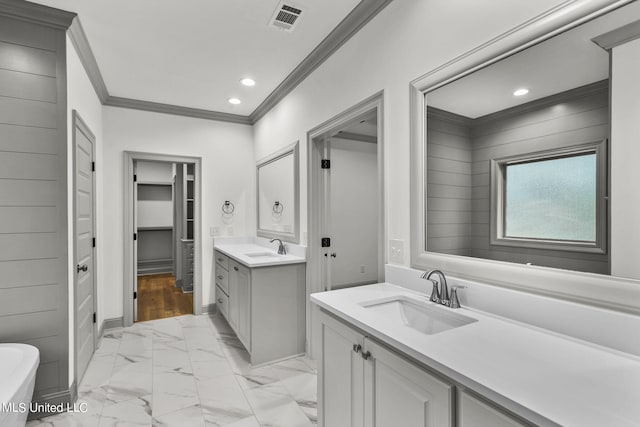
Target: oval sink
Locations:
point(262, 255)
point(427, 318)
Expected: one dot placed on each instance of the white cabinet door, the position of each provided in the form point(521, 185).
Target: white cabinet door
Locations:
point(475, 413)
point(340, 376)
point(234, 268)
point(243, 286)
point(398, 393)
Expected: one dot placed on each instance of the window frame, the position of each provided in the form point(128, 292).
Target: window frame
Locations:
point(498, 196)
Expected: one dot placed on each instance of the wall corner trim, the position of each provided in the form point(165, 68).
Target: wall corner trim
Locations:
point(619, 36)
point(37, 13)
point(79, 39)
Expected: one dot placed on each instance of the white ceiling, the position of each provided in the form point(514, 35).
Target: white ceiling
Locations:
point(193, 53)
point(564, 62)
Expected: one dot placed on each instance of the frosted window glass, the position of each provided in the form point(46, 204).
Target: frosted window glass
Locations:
point(552, 199)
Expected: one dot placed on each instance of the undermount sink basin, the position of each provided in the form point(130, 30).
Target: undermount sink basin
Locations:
point(262, 255)
point(427, 318)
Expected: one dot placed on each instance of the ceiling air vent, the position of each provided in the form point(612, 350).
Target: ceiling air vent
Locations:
point(286, 16)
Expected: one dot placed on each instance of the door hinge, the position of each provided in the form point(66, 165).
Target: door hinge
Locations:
point(325, 164)
point(135, 295)
point(135, 236)
point(325, 242)
point(94, 242)
point(93, 166)
point(135, 178)
point(94, 318)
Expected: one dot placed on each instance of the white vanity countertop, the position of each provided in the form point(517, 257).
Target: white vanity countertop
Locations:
point(241, 251)
point(548, 378)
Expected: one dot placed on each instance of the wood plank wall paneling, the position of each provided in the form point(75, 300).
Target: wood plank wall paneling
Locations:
point(449, 160)
point(568, 121)
point(33, 240)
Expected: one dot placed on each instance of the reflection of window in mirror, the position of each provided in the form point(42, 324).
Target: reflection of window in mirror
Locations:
point(550, 200)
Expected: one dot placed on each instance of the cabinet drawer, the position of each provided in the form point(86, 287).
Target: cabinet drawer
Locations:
point(222, 260)
point(222, 302)
point(222, 279)
point(237, 267)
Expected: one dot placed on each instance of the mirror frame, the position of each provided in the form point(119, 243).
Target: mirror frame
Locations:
point(621, 294)
point(294, 236)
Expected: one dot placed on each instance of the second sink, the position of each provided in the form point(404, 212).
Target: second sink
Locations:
point(423, 317)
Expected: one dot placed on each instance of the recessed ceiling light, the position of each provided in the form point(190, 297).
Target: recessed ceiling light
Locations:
point(521, 92)
point(234, 101)
point(248, 82)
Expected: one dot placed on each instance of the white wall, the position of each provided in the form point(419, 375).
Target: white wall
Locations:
point(82, 97)
point(228, 173)
point(406, 40)
point(354, 211)
point(625, 155)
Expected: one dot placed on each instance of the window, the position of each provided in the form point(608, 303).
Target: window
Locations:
point(550, 200)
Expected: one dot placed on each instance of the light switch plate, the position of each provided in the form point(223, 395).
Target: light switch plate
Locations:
point(396, 251)
point(214, 231)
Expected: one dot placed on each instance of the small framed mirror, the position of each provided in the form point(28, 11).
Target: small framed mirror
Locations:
point(277, 190)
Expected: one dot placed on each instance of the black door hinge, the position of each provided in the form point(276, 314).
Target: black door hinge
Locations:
point(135, 295)
point(93, 166)
point(94, 318)
point(325, 164)
point(135, 178)
point(94, 242)
point(325, 242)
point(135, 236)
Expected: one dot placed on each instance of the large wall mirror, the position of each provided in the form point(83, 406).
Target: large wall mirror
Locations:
point(514, 159)
point(277, 195)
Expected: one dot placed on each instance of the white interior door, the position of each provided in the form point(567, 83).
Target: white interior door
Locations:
point(135, 245)
point(85, 289)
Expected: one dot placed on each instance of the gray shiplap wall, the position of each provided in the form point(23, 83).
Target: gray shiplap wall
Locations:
point(33, 200)
point(449, 160)
point(459, 152)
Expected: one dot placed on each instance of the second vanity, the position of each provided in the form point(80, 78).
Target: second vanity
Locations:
point(261, 294)
point(389, 356)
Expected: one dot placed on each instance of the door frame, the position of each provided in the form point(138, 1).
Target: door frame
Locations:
point(315, 198)
point(79, 123)
point(129, 263)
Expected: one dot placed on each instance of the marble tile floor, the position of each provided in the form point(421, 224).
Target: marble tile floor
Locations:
point(188, 371)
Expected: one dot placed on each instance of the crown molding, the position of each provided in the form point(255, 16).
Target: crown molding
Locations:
point(350, 25)
point(37, 13)
point(618, 36)
point(365, 11)
point(136, 104)
point(81, 43)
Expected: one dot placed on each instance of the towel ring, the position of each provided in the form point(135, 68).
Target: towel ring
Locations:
point(278, 207)
point(228, 207)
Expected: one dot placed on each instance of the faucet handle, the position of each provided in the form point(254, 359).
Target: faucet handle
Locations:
point(435, 293)
point(453, 298)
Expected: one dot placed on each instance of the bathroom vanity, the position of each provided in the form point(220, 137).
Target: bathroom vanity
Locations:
point(388, 354)
point(261, 294)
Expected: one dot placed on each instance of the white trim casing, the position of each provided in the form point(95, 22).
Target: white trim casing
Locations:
point(599, 290)
point(129, 268)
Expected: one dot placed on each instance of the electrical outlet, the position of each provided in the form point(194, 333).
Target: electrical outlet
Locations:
point(214, 231)
point(230, 230)
point(396, 251)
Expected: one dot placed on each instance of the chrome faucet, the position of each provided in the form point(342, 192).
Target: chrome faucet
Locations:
point(442, 296)
point(282, 250)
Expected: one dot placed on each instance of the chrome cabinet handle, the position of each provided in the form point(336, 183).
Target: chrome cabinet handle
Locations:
point(220, 300)
point(220, 277)
point(333, 255)
point(236, 268)
point(366, 355)
point(83, 267)
point(357, 348)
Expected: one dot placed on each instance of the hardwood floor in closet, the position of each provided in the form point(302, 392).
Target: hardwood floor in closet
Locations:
point(159, 298)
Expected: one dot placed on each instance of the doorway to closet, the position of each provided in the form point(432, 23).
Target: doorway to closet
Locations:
point(164, 227)
point(162, 247)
